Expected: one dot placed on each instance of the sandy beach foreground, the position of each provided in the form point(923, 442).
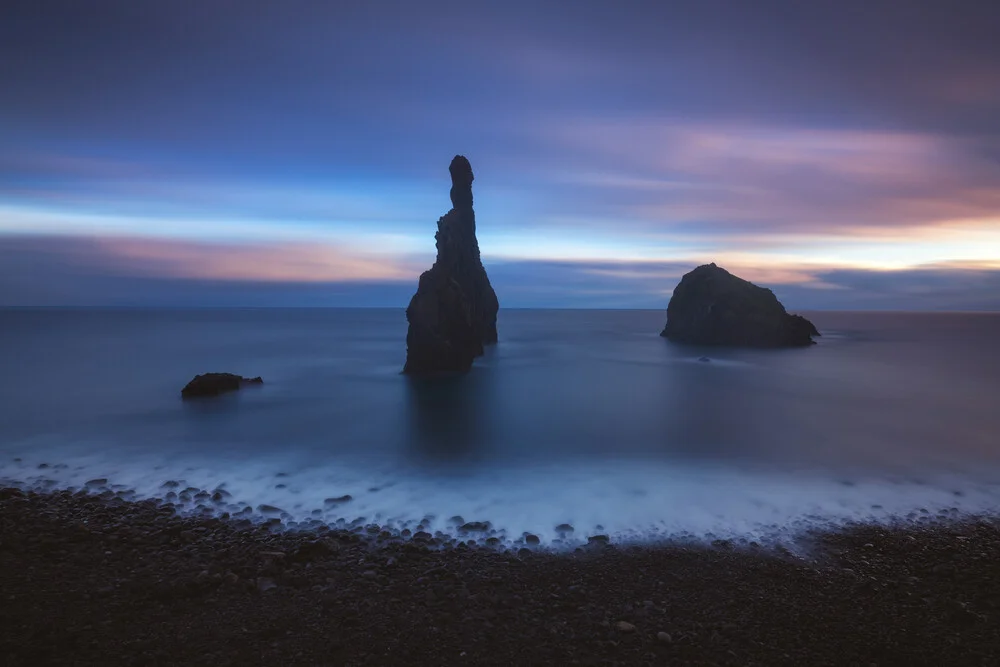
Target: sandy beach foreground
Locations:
point(91, 580)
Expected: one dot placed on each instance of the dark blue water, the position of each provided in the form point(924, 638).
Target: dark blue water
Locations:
point(581, 416)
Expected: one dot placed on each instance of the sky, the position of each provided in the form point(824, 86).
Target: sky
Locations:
point(246, 153)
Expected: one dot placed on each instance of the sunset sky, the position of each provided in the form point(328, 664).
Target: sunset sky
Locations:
point(209, 152)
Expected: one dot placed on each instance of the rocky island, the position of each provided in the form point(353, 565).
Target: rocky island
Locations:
point(214, 384)
point(454, 312)
point(711, 306)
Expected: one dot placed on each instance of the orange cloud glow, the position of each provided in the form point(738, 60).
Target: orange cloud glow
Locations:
point(280, 262)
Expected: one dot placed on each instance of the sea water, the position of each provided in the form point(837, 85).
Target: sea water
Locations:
point(582, 417)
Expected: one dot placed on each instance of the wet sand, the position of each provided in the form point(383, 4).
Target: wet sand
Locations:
point(87, 579)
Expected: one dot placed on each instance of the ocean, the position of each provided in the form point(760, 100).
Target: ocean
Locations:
point(580, 417)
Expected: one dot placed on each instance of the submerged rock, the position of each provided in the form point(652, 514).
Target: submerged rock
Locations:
point(711, 306)
point(213, 384)
point(454, 312)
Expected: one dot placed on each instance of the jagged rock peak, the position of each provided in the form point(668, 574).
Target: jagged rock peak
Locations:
point(461, 182)
point(711, 306)
point(454, 312)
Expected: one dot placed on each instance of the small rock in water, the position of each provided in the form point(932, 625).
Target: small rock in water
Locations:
point(624, 626)
point(339, 500)
point(598, 539)
point(264, 584)
point(213, 384)
point(96, 482)
point(704, 359)
point(269, 509)
point(531, 539)
point(564, 528)
point(664, 637)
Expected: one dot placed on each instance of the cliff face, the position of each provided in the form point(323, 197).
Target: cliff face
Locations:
point(454, 312)
point(711, 306)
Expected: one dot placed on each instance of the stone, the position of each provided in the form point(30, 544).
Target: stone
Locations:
point(213, 384)
point(475, 527)
point(624, 626)
point(339, 500)
point(711, 306)
point(454, 311)
point(664, 637)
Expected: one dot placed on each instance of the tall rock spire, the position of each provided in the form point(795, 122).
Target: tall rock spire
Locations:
point(454, 312)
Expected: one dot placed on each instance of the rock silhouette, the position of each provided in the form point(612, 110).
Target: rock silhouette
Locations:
point(454, 312)
point(213, 384)
point(711, 306)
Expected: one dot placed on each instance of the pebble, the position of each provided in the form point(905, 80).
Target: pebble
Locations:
point(625, 626)
point(475, 527)
point(664, 637)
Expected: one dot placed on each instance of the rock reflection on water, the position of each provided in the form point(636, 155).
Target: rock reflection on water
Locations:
point(449, 419)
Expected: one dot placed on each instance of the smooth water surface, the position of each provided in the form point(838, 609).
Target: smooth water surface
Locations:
point(586, 417)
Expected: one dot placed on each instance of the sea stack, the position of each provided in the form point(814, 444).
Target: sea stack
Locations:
point(454, 312)
point(711, 306)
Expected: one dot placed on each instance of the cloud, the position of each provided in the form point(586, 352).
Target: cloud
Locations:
point(166, 259)
point(247, 262)
point(717, 180)
point(583, 284)
point(87, 271)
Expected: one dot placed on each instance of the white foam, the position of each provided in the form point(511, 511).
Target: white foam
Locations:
point(627, 500)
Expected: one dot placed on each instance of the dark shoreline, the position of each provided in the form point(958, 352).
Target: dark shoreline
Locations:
point(87, 580)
